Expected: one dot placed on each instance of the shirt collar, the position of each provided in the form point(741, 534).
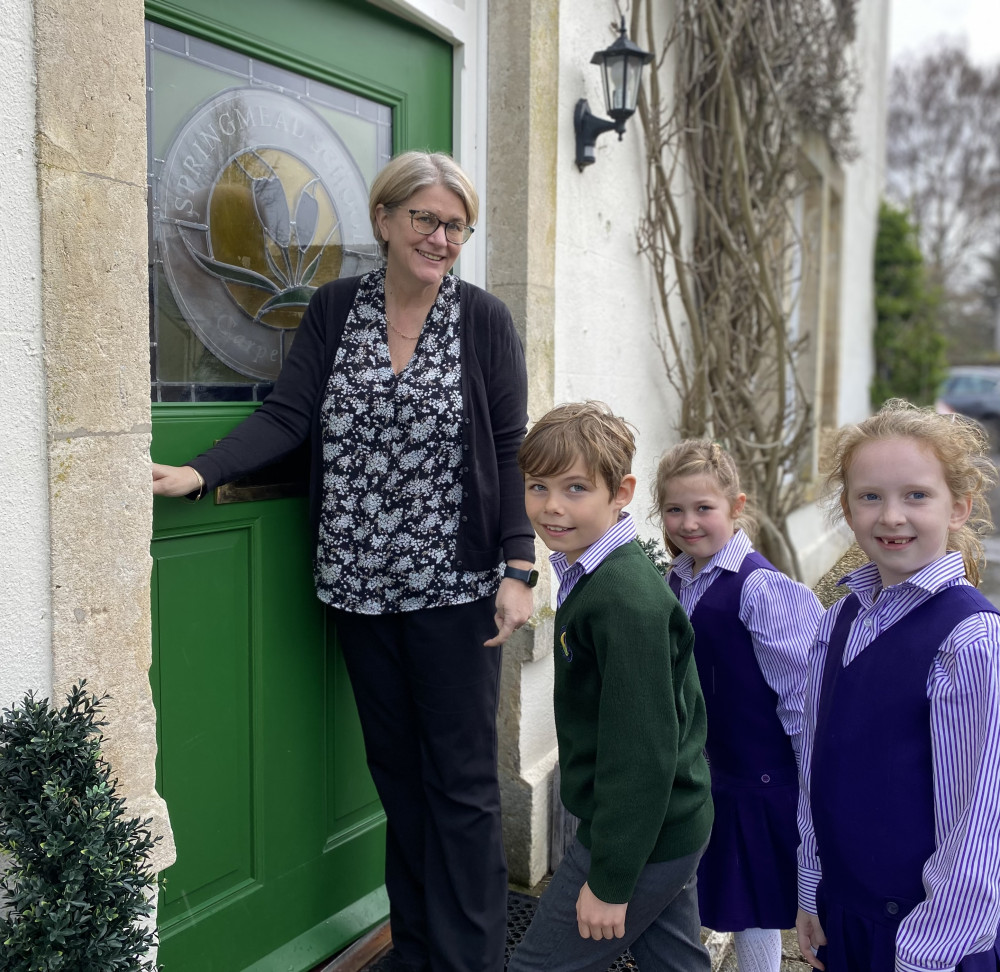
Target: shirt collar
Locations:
point(730, 558)
point(866, 580)
point(622, 532)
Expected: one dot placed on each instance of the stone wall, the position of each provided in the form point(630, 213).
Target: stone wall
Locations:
point(25, 611)
point(91, 144)
point(521, 201)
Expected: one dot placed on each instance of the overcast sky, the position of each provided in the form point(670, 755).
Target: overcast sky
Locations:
point(916, 24)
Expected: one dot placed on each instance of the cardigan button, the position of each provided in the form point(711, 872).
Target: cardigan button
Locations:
point(465, 519)
point(891, 908)
point(466, 447)
point(765, 778)
point(458, 563)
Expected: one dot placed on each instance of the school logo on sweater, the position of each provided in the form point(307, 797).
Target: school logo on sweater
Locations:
point(564, 644)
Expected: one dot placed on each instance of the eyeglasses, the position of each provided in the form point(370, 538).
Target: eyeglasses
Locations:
point(426, 223)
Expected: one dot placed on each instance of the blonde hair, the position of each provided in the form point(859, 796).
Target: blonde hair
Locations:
point(958, 443)
point(410, 172)
point(699, 457)
point(579, 430)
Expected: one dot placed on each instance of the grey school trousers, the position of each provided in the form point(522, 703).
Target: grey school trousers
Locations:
point(662, 926)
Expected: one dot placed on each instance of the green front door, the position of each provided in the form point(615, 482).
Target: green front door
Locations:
point(267, 123)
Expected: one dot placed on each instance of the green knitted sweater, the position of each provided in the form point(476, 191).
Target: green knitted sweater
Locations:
point(630, 721)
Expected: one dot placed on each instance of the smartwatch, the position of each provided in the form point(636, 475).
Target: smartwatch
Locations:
point(530, 577)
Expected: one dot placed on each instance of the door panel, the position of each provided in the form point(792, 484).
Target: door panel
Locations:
point(252, 110)
point(278, 830)
point(204, 687)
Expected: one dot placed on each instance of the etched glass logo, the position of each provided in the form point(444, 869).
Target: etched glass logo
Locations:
point(259, 204)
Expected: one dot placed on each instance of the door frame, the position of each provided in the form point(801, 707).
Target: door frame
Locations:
point(365, 910)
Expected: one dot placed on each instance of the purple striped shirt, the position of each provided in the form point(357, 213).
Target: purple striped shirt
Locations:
point(780, 614)
point(621, 533)
point(962, 877)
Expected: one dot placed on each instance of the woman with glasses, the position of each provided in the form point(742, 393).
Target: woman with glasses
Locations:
point(411, 386)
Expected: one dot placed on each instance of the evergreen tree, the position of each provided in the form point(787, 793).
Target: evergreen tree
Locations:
point(910, 357)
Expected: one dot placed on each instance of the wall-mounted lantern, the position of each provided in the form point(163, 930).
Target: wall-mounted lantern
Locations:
point(621, 67)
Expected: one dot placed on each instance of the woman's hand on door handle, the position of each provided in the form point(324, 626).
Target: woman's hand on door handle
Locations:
point(176, 480)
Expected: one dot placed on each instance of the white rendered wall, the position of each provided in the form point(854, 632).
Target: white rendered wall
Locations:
point(819, 543)
point(606, 308)
point(605, 305)
point(605, 314)
point(25, 614)
point(862, 191)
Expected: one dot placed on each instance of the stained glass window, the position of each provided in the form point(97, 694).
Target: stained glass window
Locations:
point(258, 194)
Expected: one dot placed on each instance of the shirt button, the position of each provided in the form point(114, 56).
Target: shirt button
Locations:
point(868, 622)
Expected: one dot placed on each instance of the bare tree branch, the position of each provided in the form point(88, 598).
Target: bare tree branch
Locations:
point(750, 76)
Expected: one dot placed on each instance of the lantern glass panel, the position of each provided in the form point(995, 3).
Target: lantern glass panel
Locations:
point(621, 84)
point(615, 73)
point(632, 76)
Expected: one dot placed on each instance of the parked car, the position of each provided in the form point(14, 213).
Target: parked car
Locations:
point(974, 391)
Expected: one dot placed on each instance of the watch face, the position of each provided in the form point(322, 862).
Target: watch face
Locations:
point(530, 577)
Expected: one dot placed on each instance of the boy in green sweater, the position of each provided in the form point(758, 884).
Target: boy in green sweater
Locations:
point(630, 716)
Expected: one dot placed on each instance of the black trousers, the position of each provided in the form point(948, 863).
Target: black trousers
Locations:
point(427, 692)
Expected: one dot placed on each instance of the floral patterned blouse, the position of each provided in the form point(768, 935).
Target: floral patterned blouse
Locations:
point(392, 453)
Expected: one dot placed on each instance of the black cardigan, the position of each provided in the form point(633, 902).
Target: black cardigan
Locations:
point(493, 524)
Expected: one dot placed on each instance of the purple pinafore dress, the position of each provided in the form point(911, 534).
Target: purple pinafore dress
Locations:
point(747, 875)
point(871, 788)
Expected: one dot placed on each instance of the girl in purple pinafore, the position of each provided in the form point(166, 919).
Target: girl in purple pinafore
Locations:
point(753, 626)
point(899, 866)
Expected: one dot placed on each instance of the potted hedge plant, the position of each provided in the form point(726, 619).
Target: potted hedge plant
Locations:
point(75, 886)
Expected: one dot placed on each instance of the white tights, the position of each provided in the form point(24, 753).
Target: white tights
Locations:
point(758, 949)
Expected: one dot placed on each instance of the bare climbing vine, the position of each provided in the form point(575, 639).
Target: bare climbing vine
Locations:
point(733, 88)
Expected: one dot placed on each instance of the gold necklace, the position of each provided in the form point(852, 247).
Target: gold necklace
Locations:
point(392, 327)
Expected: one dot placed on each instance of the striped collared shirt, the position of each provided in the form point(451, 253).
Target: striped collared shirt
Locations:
point(962, 909)
point(621, 533)
point(780, 614)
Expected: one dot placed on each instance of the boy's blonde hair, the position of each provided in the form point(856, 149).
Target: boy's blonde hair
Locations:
point(699, 457)
point(959, 444)
point(579, 430)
